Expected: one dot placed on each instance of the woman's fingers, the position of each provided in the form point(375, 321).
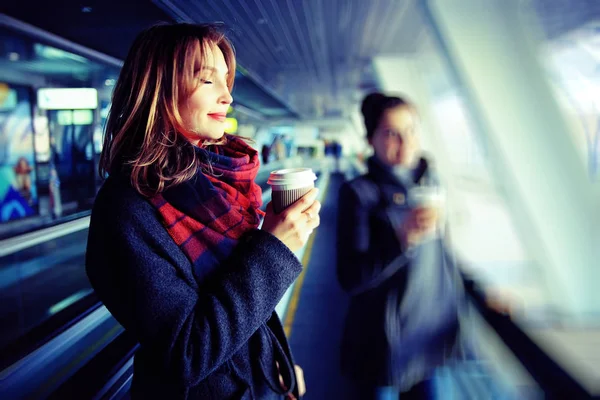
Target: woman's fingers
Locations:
point(294, 211)
point(312, 215)
point(295, 224)
point(314, 208)
point(300, 380)
point(426, 218)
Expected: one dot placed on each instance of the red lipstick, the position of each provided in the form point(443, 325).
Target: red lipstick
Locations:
point(218, 116)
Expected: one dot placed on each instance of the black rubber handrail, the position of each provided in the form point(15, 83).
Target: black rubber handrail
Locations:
point(552, 379)
point(44, 224)
point(49, 329)
point(93, 376)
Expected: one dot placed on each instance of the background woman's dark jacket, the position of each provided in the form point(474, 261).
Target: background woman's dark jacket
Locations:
point(402, 318)
point(217, 341)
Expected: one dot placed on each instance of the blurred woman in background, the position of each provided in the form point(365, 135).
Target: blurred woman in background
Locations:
point(402, 321)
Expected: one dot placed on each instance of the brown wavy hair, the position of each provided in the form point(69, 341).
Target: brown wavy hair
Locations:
point(145, 137)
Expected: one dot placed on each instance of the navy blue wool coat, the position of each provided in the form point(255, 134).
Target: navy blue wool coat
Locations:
point(218, 340)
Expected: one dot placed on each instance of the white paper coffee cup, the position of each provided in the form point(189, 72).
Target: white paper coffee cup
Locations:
point(426, 197)
point(288, 185)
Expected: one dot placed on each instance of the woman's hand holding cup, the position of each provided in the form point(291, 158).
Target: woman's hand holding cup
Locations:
point(294, 225)
point(424, 216)
point(421, 222)
point(294, 211)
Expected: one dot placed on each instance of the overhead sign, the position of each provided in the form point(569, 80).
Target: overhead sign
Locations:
point(67, 98)
point(75, 117)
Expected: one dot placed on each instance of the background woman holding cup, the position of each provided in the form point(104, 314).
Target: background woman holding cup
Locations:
point(174, 249)
point(402, 320)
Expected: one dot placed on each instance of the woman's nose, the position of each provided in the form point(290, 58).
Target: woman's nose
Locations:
point(226, 97)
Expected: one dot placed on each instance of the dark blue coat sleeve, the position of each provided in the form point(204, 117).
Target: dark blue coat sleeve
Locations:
point(132, 264)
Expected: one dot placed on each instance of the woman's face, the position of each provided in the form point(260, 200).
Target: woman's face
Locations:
point(204, 112)
point(394, 141)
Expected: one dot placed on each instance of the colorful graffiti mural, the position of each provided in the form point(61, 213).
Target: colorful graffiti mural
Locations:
point(18, 195)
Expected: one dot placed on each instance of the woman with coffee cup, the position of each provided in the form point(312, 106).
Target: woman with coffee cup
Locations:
point(175, 251)
point(402, 320)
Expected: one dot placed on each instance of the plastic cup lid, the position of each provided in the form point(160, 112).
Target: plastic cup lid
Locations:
point(292, 176)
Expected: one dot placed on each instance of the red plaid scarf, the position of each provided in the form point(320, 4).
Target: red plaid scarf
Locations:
point(207, 215)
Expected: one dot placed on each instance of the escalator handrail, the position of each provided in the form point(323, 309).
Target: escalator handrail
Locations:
point(92, 379)
point(551, 377)
point(58, 359)
point(46, 232)
point(48, 330)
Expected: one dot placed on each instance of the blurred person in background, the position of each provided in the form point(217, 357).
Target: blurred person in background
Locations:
point(279, 148)
point(174, 248)
point(23, 179)
point(265, 153)
point(336, 148)
point(402, 321)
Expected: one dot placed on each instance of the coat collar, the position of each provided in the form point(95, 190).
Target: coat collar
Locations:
point(383, 173)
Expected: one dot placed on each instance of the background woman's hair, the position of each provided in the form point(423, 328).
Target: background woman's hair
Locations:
point(374, 105)
point(143, 136)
